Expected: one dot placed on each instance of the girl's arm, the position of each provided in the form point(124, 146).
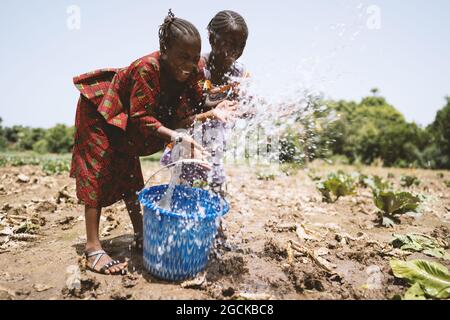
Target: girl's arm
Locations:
point(219, 109)
point(166, 134)
point(169, 135)
point(224, 111)
point(202, 117)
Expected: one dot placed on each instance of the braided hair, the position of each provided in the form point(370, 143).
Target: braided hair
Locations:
point(227, 20)
point(174, 28)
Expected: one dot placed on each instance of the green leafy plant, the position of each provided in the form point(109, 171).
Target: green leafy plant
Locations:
point(420, 243)
point(3, 161)
point(408, 181)
point(27, 227)
point(41, 146)
point(18, 161)
point(447, 183)
point(288, 169)
point(23, 161)
point(314, 177)
point(362, 179)
point(51, 167)
point(427, 279)
point(336, 185)
point(392, 204)
point(266, 176)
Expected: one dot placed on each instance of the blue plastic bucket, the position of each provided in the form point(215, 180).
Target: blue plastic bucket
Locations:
point(177, 244)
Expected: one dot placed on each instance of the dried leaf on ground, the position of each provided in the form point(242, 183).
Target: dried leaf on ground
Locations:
point(420, 243)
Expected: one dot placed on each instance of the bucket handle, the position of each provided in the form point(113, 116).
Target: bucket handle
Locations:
point(197, 161)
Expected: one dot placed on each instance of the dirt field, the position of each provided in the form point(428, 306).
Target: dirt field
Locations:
point(283, 241)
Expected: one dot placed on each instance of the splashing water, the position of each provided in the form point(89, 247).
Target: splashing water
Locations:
point(175, 167)
point(290, 116)
point(283, 122)
point(166, 199)
point(281, 126)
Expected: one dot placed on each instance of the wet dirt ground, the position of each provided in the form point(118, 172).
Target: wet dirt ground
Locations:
point(283, 242)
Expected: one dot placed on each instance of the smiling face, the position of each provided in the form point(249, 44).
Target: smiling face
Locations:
point(228, 46)
point(181, 57)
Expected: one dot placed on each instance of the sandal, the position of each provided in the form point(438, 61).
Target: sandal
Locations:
point(98, 254)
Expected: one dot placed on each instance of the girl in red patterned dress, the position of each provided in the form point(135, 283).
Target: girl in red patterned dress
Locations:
point(130, 112)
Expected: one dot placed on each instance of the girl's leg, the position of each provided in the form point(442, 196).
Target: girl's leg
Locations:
point(134, 211)
point(93, 241)
point(92, 226)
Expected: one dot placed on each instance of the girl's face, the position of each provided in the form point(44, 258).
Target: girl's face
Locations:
point(228, 47)
point(181, 57)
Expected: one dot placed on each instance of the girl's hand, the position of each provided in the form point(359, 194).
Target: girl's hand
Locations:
point(216, 95)
point(225, 111)
point(212, 102)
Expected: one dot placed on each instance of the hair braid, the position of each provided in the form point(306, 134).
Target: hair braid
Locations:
point(173, 28)
point(226, 20)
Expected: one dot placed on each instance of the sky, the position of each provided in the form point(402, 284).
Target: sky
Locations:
point(341, 47)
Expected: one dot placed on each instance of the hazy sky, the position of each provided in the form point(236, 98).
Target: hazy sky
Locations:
point(342, 47)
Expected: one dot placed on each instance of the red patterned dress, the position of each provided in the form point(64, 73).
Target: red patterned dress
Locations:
point(117, 115)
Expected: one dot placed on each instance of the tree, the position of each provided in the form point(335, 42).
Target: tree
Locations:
point(374, 129)
point(401, 145)
point(375, 91)
point(3, 141)
point(59, 138)
point(27, 137)
point(438, 153)
point(12, 134)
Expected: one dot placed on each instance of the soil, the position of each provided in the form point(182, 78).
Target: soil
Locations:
point(344, 255)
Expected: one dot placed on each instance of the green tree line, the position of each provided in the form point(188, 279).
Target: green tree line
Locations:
point(374, 129)
point(368, 131)
point(58, 139)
